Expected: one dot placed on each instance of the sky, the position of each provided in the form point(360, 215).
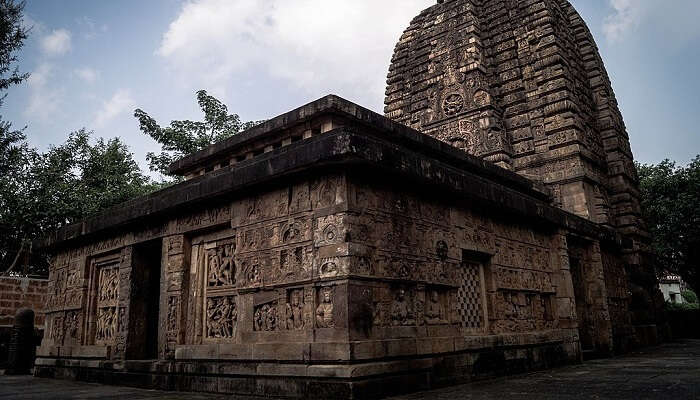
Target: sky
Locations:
point(93, 62)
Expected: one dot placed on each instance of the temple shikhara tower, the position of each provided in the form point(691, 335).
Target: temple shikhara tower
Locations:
point(489, 223)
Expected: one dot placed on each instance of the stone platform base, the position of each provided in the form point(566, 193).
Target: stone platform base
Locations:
point(310, 380)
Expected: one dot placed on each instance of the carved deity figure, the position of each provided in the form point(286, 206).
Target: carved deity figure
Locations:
point(212, 323)
point(222, 268)
point(72, 324)
point(228, 266)
point(106, 324)
point(108, 284)
point(324, 311)
point(401, 312)
point(265, 317)
point(214, 267)
point(225, 326)
point(295, 310)
point(221, 317)
point(434, 311)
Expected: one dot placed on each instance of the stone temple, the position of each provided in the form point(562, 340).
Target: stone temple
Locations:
point(488, 224)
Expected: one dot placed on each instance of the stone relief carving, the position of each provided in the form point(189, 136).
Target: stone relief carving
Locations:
point(324, 311)
point(173, 313)
point(72, 323)
point(222, 317)
point(402, 311)
point(326, 193)
point(453, 104)
point(57, 331)
point(74, 298)
point(329, 267)
point(293, 231)
point(525, 280)
point(107, 318)
point(122, 319)
point(434, 309)
point(291, 261)
point(265, 317)
point(295, 310)
point(441, 249)
point(221, 265)
point(108, 287)
point(251, 272)
point(106, 324)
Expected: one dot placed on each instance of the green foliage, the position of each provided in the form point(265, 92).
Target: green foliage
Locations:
point(12, 36)
point(43, 192)
point(185, 137)
point(689, 296)
point(670, 197)
point(682, 306)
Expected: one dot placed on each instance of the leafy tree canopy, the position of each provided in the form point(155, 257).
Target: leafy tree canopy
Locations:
point(670, 197)
point(185, 137)
point(689, 296)
point(12, 36)
point(43, 191)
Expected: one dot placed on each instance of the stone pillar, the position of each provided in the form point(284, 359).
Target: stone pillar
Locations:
point(566, 301)
point(599, 297)
point(22, 343)
point(121, 339)
point(173, 299)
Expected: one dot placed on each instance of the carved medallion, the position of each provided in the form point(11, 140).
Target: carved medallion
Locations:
point(452, 104)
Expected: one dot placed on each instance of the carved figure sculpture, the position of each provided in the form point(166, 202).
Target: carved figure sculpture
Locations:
point(265, 317)
point(222, 268)
point(214, 265)
point(434, 310)
point(295, 309)
point(324, 311)
point(401, 312)
point(221, 317)
point(212, 324)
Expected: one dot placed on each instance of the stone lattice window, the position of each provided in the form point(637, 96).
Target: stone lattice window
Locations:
point(470, 298)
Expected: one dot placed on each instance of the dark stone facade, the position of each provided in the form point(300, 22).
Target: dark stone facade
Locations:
point(333, 252)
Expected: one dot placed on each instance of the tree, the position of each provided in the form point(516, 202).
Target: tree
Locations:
point(185, 137)
point(12, 36)
point(63, 185)
point(689, 296)
point(670, 198)
point(13, 148)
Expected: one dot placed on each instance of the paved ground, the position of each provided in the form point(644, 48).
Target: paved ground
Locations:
point(671, 371)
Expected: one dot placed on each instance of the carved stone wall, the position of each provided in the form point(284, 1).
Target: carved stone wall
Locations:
point(448, 270)
point(618, 291)
point(271, 276)
point(591, 294)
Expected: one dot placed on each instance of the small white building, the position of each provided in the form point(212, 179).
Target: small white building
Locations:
point(671, 287)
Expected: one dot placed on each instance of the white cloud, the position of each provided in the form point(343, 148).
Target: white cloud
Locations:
point(40, 76)
point(44, 101)
point(335, 46)
point(119, 103)
point(89, 28)
point(87, 74)
point(626, 17)
point(675, 22)
point(56, 43)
